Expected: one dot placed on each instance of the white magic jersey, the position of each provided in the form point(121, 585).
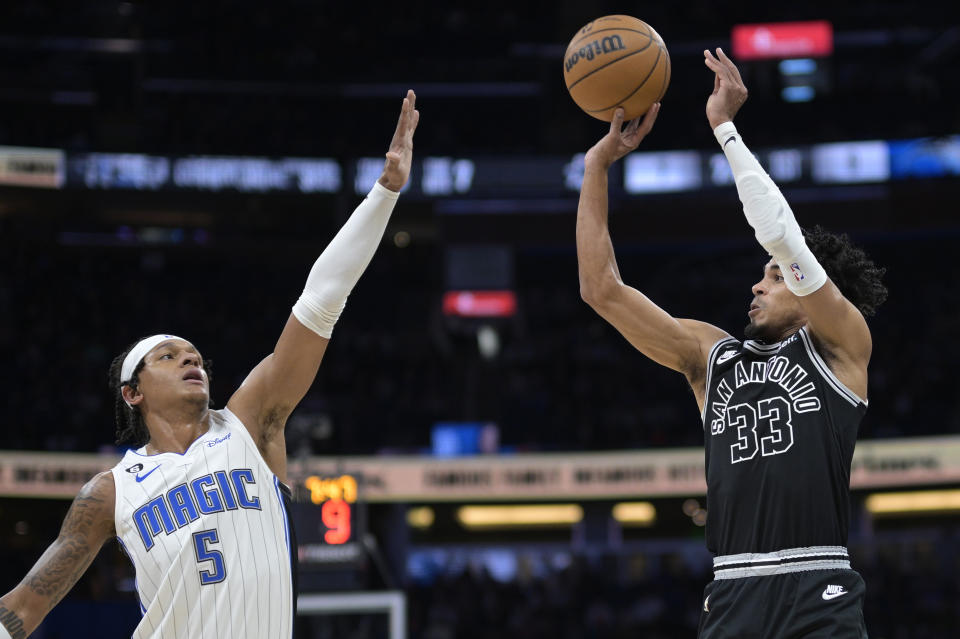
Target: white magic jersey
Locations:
point(208, 535)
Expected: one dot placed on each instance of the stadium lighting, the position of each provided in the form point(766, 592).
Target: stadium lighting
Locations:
point(798, 93)
point(925, 501)
point(515, 516)
point(421, 518)
point(798, 66)
point(635, 513)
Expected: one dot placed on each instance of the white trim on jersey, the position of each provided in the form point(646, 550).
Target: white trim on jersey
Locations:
point(777, 556)
point(760, 348)
point(780, 562)
point(826, 373)
point(286, 530)
point(710, 357)
point(136, 586)
point(141, 452)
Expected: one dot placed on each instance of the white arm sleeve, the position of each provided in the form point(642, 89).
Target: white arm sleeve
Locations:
point(770, 216)
point(341, 264)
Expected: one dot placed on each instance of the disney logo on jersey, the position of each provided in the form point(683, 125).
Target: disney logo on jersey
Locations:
point(218, 440)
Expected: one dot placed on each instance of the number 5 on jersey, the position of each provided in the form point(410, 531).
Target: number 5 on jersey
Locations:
point(204, 553)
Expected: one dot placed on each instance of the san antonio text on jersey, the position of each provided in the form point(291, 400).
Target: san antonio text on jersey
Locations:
point(779, 431)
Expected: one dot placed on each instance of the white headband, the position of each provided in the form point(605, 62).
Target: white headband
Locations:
point(138, 352)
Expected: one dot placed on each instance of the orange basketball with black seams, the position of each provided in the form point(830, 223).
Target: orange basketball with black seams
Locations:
point(616, 61)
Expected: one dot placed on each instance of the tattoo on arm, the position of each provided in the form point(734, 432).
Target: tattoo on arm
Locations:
point(86, 527)
point(12, 623)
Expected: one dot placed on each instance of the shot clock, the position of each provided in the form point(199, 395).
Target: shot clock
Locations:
point(329, 522)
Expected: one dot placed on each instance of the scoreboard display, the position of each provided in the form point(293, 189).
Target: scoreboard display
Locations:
point(466, 180)
point(329, 522)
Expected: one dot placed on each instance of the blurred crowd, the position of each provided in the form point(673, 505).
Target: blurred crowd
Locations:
point(281, 78)
point(561, 378)
point(653, 591)
point(912, 592)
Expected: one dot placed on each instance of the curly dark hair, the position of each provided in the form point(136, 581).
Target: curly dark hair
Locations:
point(131, 429)
point(854, 273)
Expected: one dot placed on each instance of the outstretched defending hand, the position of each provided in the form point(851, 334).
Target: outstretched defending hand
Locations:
point(619, 141)
point(396, 169)
point(729, 92)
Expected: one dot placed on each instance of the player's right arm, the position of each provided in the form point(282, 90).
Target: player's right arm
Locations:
point(679, 344)
point(88, 524)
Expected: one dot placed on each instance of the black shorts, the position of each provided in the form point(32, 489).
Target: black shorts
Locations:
point(810, 604)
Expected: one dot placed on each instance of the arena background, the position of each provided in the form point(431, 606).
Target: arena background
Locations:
point(146, 185)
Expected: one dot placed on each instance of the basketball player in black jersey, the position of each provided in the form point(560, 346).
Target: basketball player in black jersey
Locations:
point(780, 409)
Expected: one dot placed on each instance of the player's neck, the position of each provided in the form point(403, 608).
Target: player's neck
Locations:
point(792, 330)
point(782, 335)
point(175, 433)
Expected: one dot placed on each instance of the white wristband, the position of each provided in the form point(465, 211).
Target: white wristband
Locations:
point(802, 274)
point(3, 632)
point(341, 264)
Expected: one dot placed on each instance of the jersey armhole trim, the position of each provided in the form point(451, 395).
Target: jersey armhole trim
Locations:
point(826, 373)
point(706, 388)
point(117, 495)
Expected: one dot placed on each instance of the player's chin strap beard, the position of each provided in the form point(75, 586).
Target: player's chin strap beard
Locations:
point(757, 333)
point(751, 332)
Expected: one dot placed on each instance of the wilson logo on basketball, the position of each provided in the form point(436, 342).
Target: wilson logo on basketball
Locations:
point(595, 48)
point(616, 61)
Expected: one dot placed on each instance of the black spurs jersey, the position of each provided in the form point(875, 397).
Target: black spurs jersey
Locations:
point(779, 431)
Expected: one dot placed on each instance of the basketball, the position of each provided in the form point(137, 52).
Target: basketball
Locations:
point(616, 61)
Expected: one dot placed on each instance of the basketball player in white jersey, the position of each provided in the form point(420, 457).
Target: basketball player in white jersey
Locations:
point(199, 507)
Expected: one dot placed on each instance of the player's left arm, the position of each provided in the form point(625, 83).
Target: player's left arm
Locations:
point(277, 384)
point(837, 326)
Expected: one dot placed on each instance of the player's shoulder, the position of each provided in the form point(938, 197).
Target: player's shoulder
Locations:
point(723, 349)
point(224, 423)
point(91, 515)
point(704, 332)
point(130, 458)
point(100, 492)
point(222, 418)
point(705, 336)
point(100, 482)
